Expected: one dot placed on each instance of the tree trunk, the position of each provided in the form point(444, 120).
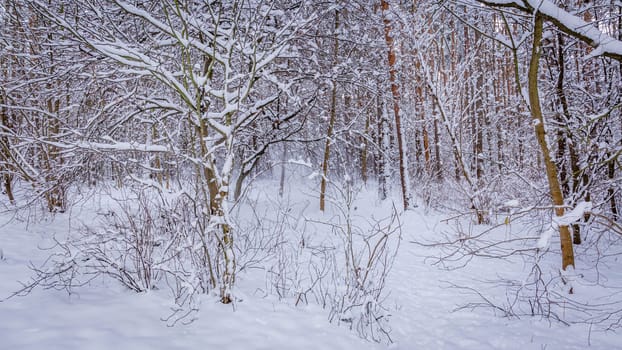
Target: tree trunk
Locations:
point(479, 115)
point(382, 142)
point(55, 196)
point(562, 135)
point(438, 165)
point(157, 164)
point(396, 104)
point(365, 145)
point(331, 122)
point(282, 177)
point(611, 173)
point(549, 164)
point(5, 169)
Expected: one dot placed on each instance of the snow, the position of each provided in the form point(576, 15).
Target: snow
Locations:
point(422, 300)
point(574, 215)
point(603, 43)
point(512, 203)
point(545, 239)
point(302, 162)
point(567, 219)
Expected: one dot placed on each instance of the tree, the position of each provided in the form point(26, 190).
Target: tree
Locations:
point(42, 97)
point(220, 73)
point(550, 166)
point(333, 116)
point(569, 24)
point(395, 92)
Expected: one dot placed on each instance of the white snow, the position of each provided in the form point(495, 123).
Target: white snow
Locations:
point(302, 162)
point(545, 239)
point(512, 203)
point(421, 302)
point(567, 219)
point(574, 215)
point(603, 43)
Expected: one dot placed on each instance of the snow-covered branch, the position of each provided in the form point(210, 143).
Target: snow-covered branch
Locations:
point(568, 23)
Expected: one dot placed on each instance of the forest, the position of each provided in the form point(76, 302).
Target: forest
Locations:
point(355, 160)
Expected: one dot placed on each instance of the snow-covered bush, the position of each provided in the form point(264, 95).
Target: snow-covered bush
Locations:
point(144, 240)
point(580, 295)
point(339, 260)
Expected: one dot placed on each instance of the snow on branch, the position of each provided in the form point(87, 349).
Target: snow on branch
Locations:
point(568, 23)
point(573, 215)
point(570, 217)
point(113, 146)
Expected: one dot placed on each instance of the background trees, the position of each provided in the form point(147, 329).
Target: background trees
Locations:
point(192, 100)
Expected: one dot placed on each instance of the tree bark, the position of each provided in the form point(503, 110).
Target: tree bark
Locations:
point(5, 170)
point(561, 135)
point(550, 166)
point(568, 27)
point(611, 173)
point(365, 145)
point(282, 176)
point(396, 104)
point(382, 141)
point(331, 122)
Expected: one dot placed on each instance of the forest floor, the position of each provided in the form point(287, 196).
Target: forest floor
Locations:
point(422, 299)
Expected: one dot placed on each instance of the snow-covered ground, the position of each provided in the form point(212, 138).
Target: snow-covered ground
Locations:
point(421, 301)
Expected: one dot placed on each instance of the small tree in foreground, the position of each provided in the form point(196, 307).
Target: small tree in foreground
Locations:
point(216, 66)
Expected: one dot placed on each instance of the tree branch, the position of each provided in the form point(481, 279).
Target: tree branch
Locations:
point(566, 22)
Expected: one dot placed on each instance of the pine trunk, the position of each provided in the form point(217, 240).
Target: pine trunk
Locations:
point(396, 104)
